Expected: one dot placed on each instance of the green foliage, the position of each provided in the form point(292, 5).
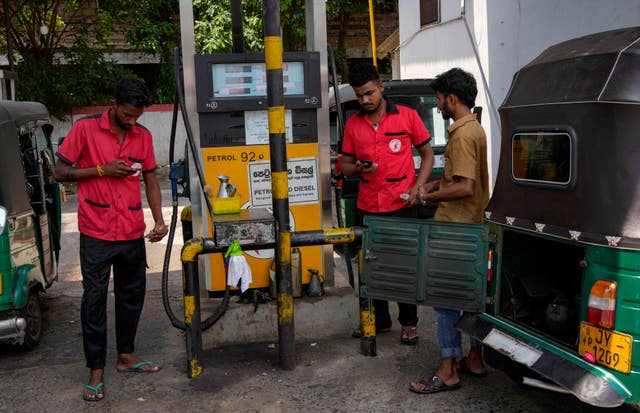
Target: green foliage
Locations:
point(154, 29)
point(61, 77)
point(86, 79)
point(67, 68)
point(213, 26)
point(95, 86)
point(293, 23)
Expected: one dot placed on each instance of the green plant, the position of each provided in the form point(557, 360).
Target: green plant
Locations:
point(58, 62)
point(153, 28)
point(85, 78)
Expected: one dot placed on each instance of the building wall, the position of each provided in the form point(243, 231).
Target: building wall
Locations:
point(507, 34)
point(358, 35)
point(156, 118)
point(520, 31)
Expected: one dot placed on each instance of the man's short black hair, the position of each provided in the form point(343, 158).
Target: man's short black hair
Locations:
point(457, 82)
point(134, 91)
point(361, 73)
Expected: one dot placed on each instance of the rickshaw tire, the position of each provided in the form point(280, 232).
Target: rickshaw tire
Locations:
point(32, 312)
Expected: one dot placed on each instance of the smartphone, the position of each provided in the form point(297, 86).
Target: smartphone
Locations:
point(367, 163)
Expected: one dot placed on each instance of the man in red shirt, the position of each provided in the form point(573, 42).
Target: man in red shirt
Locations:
point(106, 154)
point(377, 146)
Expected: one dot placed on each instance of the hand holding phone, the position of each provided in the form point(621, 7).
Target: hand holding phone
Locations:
point(366, 163)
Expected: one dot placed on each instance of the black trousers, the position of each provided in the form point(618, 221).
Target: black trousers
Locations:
point(407, 313)
point(128, 259)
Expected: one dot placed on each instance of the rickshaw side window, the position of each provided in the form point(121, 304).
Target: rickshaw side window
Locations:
point(333, 129)
point(46, 156)
point(542, 157)
point(427, 108)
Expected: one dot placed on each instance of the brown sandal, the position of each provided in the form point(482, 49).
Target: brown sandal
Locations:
point(409, 335)
point(433, 385)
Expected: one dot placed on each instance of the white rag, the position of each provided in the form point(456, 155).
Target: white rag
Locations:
point(239, 272)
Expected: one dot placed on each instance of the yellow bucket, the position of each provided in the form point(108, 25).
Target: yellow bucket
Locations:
point(229, 205)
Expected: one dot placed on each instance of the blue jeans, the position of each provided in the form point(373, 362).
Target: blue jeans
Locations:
point(449, 337)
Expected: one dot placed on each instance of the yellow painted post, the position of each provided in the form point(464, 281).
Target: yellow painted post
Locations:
point(372, 25)
point(279, 182)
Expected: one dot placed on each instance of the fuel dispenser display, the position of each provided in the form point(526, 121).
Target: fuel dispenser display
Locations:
point(232, 105)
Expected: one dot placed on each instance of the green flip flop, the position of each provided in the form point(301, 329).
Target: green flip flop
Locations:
point(138, 368)
point(96, 390)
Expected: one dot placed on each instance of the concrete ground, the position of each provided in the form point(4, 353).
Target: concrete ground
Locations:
point(241, 372)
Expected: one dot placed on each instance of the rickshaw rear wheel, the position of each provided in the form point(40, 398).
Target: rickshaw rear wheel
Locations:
point(32, 312)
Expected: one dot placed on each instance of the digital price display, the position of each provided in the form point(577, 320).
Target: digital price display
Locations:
point(233, 80)
point(238, 81)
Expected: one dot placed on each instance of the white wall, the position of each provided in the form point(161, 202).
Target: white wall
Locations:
point(156, 118)
point(518, 31)
point(507, 35)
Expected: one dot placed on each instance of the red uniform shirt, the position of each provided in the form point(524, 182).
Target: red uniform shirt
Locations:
point(390, 147)
point(108, 208)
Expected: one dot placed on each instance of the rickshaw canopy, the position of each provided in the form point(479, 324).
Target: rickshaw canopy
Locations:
point(578, 106)
point(13, 115)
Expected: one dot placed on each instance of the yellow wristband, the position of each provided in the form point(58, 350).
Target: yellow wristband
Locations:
point(100, 170)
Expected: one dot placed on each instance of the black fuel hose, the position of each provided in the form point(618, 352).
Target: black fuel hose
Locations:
point(337, 190)
point(175, 321)
point(179, 101)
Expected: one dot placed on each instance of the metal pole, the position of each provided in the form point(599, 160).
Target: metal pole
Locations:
point(192, 318)
point(279, 182)
point(316, 34)
point(374, 56)
point(236, 26)
point(367, 326)
point(7, 28)
point(199, 213)
point(194, 326)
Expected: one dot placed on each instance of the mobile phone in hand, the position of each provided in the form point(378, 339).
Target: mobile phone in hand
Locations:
point(367, 163)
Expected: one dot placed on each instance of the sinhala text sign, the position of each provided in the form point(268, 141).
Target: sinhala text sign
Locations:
point(303, 182)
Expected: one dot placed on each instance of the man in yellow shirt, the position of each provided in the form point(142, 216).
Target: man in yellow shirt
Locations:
point(462, 195)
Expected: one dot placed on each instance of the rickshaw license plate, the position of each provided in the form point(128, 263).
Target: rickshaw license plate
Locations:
point(609, 348)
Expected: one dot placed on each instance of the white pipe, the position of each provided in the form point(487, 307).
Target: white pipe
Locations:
point(544, 385)
point(482, 74)
point(12, 328)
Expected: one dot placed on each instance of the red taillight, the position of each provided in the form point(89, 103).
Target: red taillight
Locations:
point(601, 309)
point(339, 171)
point(489, 260)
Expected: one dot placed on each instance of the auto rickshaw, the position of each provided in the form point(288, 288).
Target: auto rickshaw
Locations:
point(551, 281)
point(30, 223)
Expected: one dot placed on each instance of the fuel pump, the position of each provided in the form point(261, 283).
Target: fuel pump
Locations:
point(233, 105)
point(234, 143)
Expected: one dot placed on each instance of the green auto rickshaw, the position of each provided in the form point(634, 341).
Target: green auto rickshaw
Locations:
point(550, 282)
point(30, 219)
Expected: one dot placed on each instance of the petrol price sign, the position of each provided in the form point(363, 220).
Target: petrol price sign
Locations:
point(303, 182)
point(248, 168)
